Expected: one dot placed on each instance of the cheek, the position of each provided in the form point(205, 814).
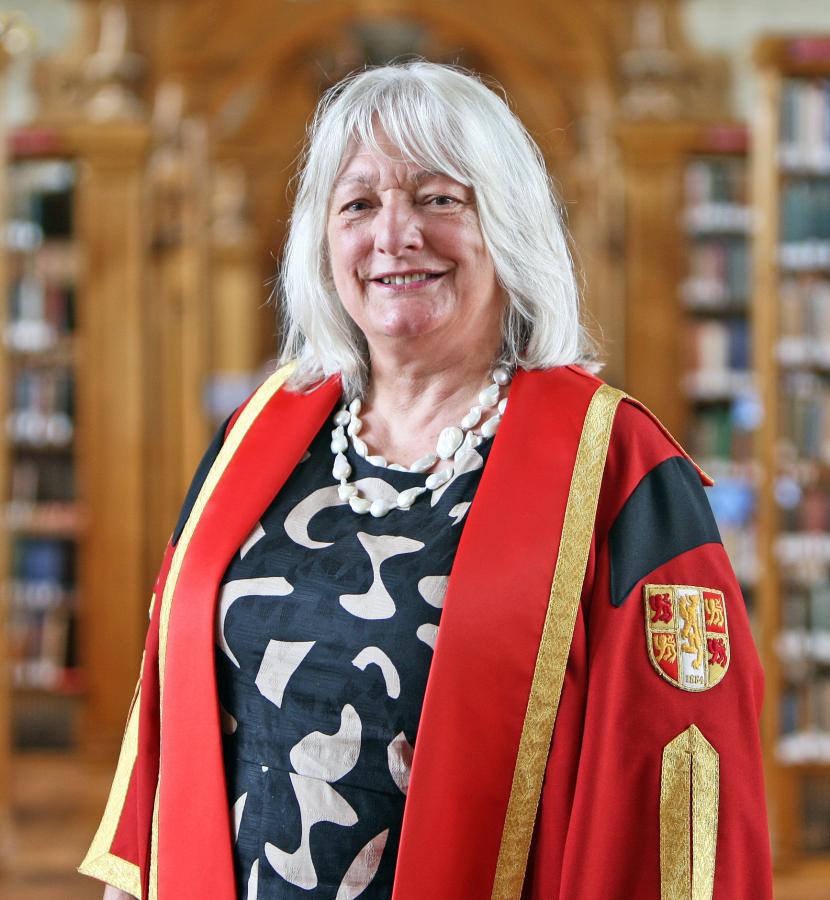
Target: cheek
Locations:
point(344, 252)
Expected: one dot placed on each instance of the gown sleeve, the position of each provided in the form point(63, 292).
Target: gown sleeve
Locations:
point(663, 797)
point(120, 851)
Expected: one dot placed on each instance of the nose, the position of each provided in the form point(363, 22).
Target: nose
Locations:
point(397, 226)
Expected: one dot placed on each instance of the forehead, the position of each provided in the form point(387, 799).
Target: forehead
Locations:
point(363, 164)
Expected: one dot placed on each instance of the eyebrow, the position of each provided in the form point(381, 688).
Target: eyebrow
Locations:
point(368, 182)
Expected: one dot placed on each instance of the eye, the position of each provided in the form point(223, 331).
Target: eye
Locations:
point(355, 206)
point(441, 200)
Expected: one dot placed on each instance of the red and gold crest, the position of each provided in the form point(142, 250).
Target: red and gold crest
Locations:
point(686, 634)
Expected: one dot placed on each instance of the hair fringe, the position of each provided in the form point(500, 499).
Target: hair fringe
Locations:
point(445, 119)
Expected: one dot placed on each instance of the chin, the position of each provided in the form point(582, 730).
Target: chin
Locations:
point(406, 326)
point(408, 319)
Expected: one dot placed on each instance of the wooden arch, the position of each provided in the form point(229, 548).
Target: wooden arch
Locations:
point(547, 56)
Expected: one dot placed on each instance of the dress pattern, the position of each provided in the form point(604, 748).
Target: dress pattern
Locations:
point(325, 629)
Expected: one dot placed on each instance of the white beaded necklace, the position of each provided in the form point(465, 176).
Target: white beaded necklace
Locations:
point(454, 443)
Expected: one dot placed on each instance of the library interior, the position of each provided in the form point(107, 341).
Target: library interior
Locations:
point(147, 155)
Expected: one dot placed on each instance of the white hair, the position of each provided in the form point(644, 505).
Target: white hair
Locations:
point(446, 121)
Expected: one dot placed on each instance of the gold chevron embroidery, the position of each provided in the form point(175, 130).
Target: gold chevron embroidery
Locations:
point(240, 428)
point(555, 644)
point(689, 795)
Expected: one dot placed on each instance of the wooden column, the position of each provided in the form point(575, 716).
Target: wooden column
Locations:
point(5, 674)
point(112, 471)
point(178, 320)
point(653, 157)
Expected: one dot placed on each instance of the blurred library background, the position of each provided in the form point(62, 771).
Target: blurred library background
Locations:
point(146, 152)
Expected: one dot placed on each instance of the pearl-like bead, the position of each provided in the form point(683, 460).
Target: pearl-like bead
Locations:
point(380, 507)
point(341, 467)
point(449, 441)
point(489, 396)
point(395, 467)
point(354, 426)
point(424, 463)
point(360, 447)
point(345, 491)
point(407, 498)
point(437, 479)
point(502, 406)
point(342, 417)
point(501, 375)
point(355, 406)
point(339, 442)
point(489, 428)
point(360, 504)
point(377, 461)
point(472, 417)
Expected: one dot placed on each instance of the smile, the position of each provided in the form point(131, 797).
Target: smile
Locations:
point(409, 278)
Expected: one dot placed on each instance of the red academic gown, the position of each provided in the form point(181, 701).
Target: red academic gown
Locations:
point(647, 783)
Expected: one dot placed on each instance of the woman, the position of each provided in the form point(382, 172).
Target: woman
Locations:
point(582, 730)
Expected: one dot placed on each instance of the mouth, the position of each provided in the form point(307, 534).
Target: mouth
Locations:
point(404, 280)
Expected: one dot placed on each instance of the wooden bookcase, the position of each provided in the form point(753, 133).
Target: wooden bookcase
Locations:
point(42, 515)
point(791, 189)
point(73, 369)
point(721, 402)
point(687, 328)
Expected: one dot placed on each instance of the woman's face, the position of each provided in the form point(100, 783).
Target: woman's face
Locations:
point(407, 254)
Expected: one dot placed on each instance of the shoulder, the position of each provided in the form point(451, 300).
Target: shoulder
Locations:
point(261, 395)
point(639, 441)
point(652, 505)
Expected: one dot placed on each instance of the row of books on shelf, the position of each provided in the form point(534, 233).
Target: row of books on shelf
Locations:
point(804, 321)
point(720, 436)
point(803, 557)
point(40, 315)
point(801, 747)
point(718, 218)
point(804, 137)
point(42, 478)
point(804, 722)
point(38, 595)
point(42, 648)
point(34, 428)
point(41, 192)
point(806, 609)
point(47, 561)
point(718, 345)
point(805, 224)
point(740, 543)
point(804, 414)
point(42, 612)
point(718, 276)
point(716, 180)
point(800, 648)
point(42, 407)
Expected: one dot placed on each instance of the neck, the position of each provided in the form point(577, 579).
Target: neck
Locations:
point(408, 403)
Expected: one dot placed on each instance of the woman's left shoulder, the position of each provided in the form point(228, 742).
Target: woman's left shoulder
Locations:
point(639, 440)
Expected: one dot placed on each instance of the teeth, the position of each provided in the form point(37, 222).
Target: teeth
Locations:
point(405, 279)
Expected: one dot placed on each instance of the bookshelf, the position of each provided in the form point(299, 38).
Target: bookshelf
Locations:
point(41, 512)
point(722, 410)
point(791, 265)
point(687, 305)
point(74, 566)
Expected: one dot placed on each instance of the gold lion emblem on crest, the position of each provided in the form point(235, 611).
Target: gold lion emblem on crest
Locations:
point(686, 634)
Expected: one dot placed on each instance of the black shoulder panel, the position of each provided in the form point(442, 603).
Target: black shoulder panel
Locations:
point(667, 514)
point(199, 479)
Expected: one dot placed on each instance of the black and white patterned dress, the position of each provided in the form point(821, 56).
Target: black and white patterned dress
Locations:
point(326, 625)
